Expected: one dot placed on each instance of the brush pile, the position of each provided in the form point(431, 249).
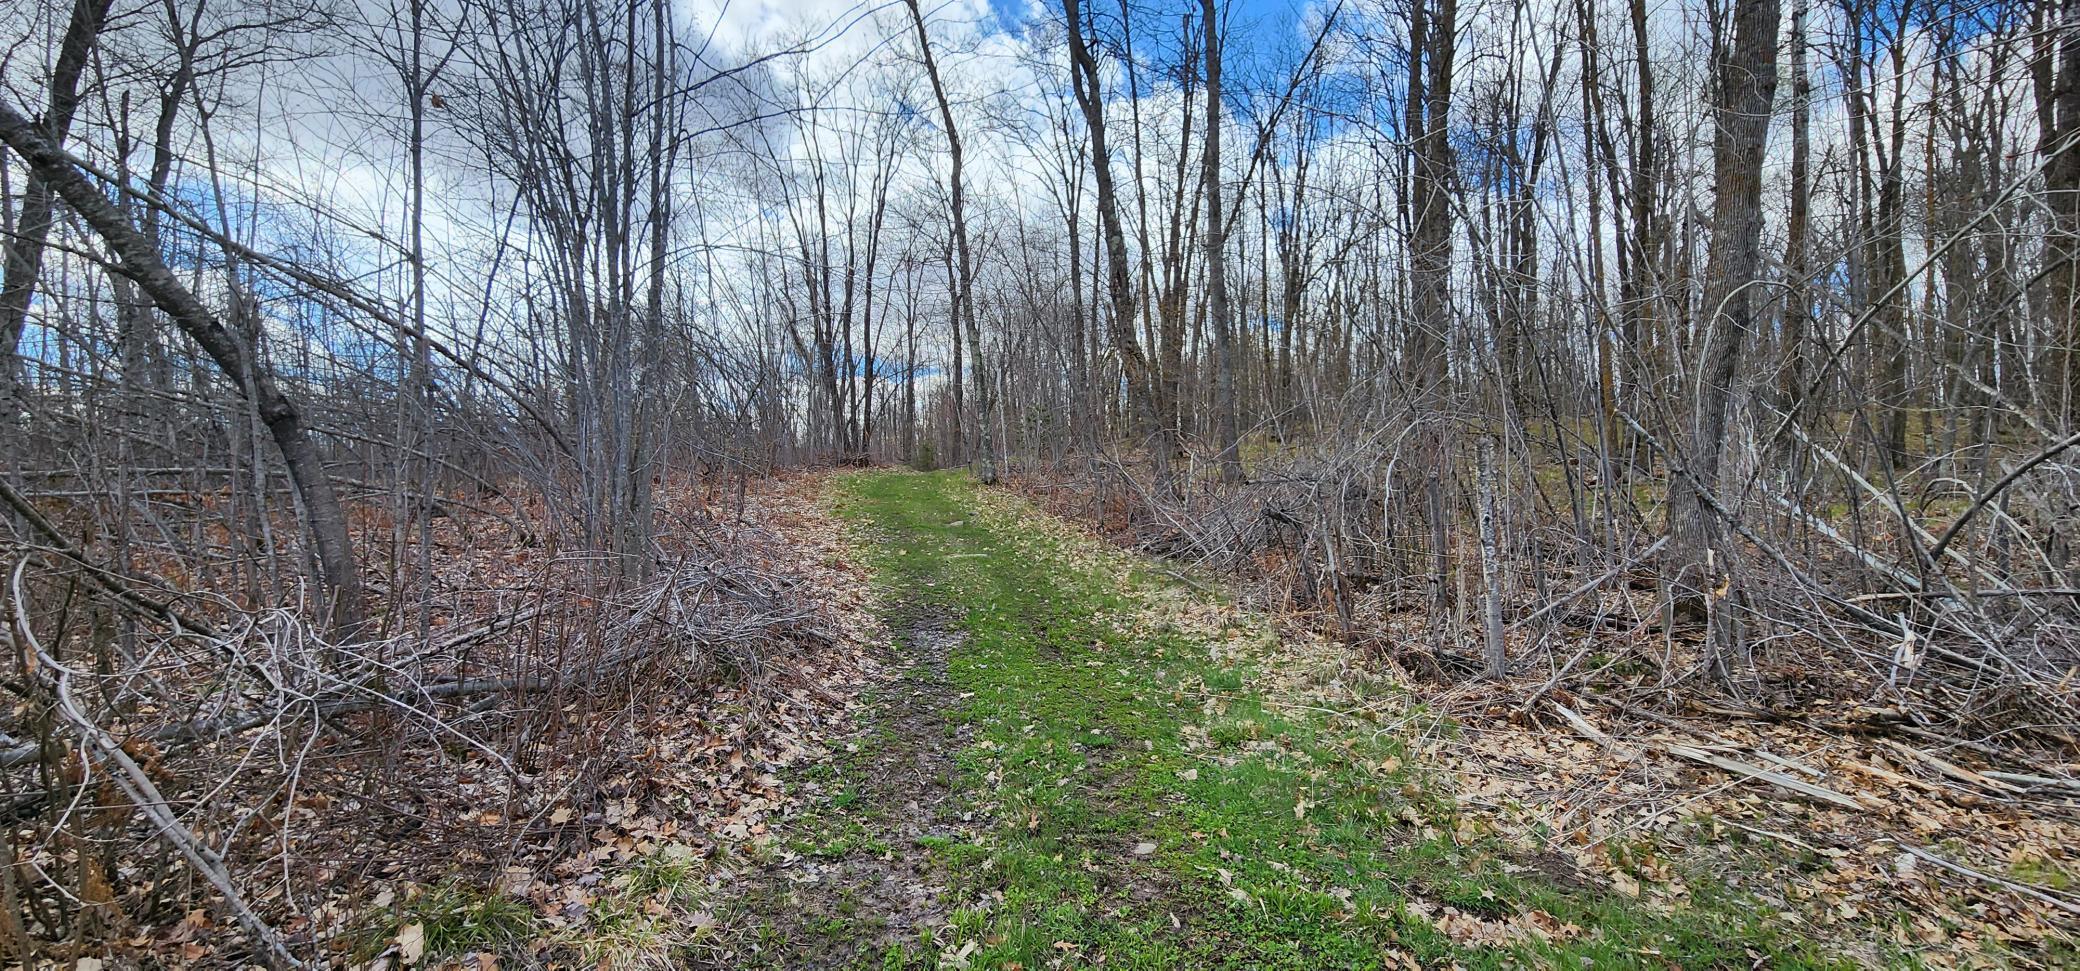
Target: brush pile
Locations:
point(196, 780)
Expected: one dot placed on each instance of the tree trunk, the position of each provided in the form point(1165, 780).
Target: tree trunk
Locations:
point(964, 293)
point(1491, 563)
point(32, 228)
point(1746, 84)
point(1432, 40)
point(1226, 435)
point(2056, 75)
point(1134, 363)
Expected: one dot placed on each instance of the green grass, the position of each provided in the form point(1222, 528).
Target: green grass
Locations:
point(1283, 838)
point(454, 918)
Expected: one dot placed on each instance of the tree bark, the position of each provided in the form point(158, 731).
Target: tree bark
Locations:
point(1226, 434)
point(1745, 94)
point(1134, 364)
point(964, 293)
point(33, 227)
point(2055, 73)
point(1432, 39)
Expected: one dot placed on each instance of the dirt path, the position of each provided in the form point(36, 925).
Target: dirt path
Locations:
point(849, 882)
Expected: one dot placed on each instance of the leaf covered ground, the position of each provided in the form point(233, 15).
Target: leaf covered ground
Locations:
point(603, 856)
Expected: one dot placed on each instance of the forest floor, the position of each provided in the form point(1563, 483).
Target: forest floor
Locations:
point(1086, 760)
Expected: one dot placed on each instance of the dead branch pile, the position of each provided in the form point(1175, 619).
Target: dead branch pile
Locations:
point(200, 765)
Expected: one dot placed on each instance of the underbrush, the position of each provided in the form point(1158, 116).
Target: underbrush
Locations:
point(538, 778)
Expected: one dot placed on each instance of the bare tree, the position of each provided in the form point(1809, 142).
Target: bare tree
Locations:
point(964, 265)
point(1226, 434)
point(31, 224)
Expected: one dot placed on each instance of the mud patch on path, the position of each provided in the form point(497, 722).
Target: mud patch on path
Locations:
point(855, 876)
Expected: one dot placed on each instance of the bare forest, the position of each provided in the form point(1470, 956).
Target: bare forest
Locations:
point(471, 492)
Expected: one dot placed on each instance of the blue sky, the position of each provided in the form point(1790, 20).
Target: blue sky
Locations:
point(1244, 10)
point(1250, 18)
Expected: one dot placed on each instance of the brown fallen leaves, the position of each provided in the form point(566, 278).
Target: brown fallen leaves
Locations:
point(658, 765)
point(1469, 928)
point(696, 769)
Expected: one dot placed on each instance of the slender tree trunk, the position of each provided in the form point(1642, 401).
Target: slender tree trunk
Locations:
point(1497, 649)
point(1798, 217)
point(1226, 435)
point(2055, 72)
point(33, 226)
point(1432, 41)
point(964, 295)
point(910, 372)
point(1640, 283)
point(1134, 364)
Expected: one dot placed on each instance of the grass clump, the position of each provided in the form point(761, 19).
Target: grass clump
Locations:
point(449, 919)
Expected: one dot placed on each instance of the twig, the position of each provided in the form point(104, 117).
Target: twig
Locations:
point(1571, 595)
point(2024, 889)
point(1943, 543)
point(99, 575)
point(138, 786)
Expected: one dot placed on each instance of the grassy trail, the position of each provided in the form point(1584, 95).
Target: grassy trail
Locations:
point(1088, 766)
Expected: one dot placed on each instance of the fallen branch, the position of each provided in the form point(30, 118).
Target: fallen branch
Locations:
point(1606, 577)
point(1778, 779)
point(1953, 770)
point(1594, 734)
point(1943, 543)
point(2033, 781)
point(136, 785)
